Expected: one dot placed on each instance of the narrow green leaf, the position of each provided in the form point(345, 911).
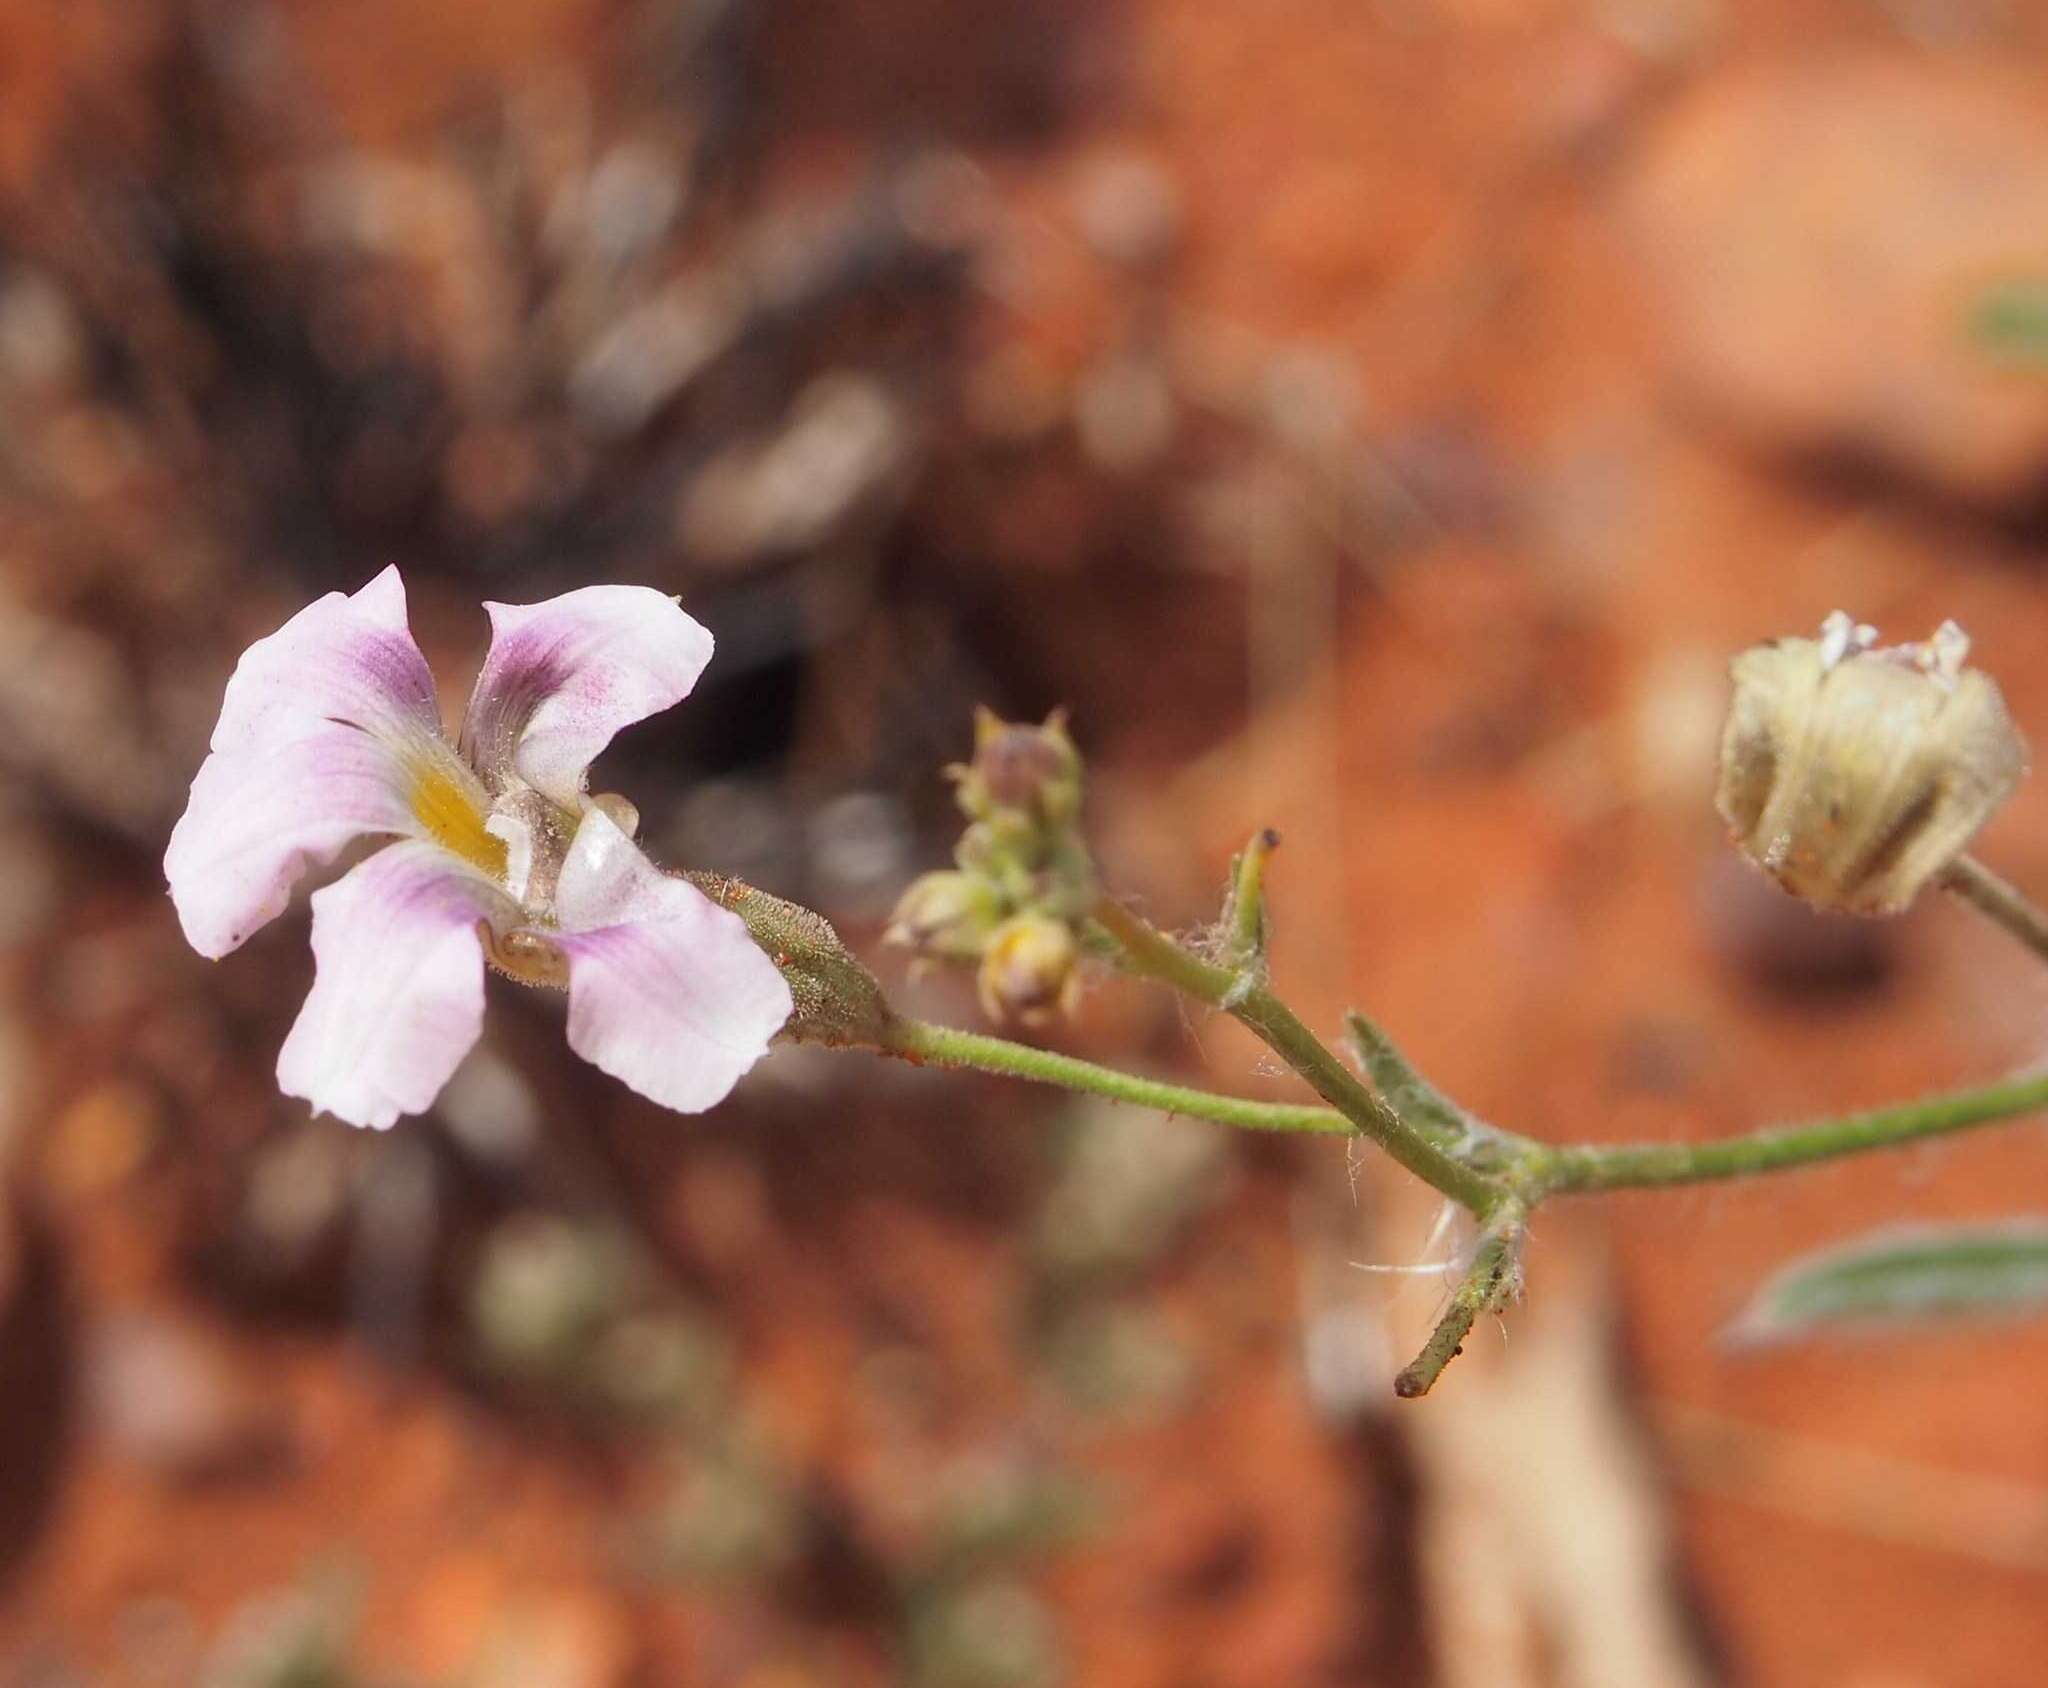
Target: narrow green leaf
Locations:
point(1244, 910)
point(1407, 1092)
point(1905, 1272)
point(2010, 321)
point(1426, 1108)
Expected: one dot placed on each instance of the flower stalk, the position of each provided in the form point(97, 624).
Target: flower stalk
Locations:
point(945, 1046)
point(1582, 1168)
point(1526, 1170)
point(2000, 902)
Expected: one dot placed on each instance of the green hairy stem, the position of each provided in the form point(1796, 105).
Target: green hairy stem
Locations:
point(1584, 1167)
point(942, 1046)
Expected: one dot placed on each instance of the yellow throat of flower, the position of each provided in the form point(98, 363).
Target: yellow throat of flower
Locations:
point(450, 809)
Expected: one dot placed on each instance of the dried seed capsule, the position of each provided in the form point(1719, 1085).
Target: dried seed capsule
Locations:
point(1854, 775)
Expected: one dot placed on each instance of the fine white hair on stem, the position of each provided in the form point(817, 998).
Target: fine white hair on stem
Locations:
point(1446, 1215)
point(1420, 1269)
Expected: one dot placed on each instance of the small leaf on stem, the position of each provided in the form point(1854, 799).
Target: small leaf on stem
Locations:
point(1407, 1092)
point(1244, 914)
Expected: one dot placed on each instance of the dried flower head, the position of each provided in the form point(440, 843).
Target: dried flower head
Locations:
point(1854, 774)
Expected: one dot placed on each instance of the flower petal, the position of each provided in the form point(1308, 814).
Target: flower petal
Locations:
point(345, 659)
point(322, 731)
point(398, 998)
point(564, 676)
point(667, 992)
point(256, 823)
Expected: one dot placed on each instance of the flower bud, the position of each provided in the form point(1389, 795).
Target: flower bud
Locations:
point(1022, 770)
point(1031, 969)
point(948, 915)
point(1854, 775)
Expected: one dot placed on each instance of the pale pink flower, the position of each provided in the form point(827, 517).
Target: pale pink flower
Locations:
point(330, 732)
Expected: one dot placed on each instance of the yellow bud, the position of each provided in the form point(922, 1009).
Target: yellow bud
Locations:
point(1855, 775)
point(1031, 969)
point(948, 915)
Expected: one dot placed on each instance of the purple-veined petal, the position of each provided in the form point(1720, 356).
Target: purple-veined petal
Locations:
point(324, 732)
point(667, 992)
point(255, 823)
point(398, 998)
point(564, 676)
point(345, 659)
